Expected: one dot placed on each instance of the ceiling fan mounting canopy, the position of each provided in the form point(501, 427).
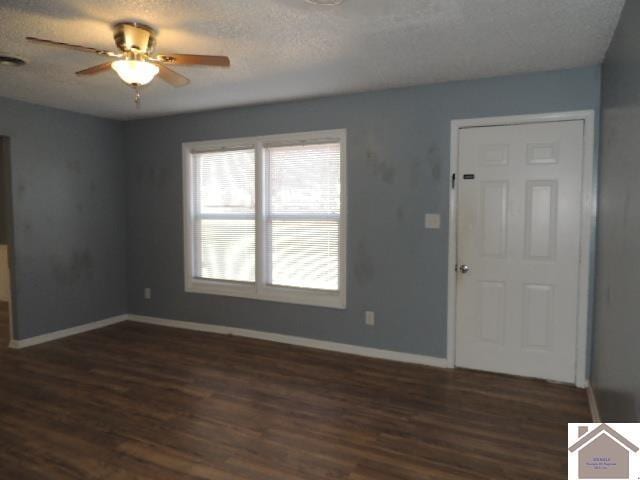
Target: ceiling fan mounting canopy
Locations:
point(136, 37)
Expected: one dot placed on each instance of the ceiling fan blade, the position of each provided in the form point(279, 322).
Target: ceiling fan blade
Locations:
point(186, 59)
point(80, 48)
point(171, 77)
point(103, 67)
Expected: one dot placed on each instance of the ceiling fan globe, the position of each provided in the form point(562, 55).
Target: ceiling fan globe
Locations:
point(135, 72)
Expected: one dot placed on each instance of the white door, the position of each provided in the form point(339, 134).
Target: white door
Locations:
point(519, 209)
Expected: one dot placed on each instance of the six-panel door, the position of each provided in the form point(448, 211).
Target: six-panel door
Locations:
point(519, 233)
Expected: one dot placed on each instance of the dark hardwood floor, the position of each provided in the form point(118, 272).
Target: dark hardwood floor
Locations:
point(140, 402)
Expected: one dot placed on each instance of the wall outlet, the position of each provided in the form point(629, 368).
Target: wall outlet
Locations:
point(147, 293)
point(432, 220)
point(370, 318)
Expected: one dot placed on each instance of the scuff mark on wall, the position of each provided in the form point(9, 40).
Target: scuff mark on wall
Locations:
point(422, 168)
point(417, 178)
point(76, 269)
point(381, 168)
point(433, 155)
point(151, 175)
point(364, 269)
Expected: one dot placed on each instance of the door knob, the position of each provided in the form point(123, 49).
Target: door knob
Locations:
point(464, 268)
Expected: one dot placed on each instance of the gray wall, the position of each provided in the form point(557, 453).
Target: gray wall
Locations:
point(616, 356)
point(67, 177)
point(398, 161)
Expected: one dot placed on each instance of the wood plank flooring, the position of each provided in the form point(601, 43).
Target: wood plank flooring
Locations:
point(135, 401)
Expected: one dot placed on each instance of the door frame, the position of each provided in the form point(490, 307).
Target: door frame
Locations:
point(587, 225)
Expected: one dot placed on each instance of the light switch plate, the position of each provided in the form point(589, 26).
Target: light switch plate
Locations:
point(432, 220)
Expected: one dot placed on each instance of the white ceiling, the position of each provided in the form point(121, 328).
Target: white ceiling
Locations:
point(287, 49)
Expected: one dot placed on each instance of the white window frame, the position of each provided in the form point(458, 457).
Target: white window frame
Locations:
point(261, 290)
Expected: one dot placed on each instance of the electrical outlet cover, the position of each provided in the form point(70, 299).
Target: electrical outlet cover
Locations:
point(432, 220)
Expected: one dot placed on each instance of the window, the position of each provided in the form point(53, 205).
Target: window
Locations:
point(265, 218)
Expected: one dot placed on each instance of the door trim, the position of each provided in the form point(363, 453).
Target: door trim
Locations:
point(587, 225)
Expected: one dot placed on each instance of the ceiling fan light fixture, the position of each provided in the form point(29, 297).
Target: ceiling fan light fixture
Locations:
point(134, 63)
point(135, 72)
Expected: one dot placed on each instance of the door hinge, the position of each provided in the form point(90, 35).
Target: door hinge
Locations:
point(453, 181)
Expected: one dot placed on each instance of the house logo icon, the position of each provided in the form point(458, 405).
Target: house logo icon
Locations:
point(602, 453)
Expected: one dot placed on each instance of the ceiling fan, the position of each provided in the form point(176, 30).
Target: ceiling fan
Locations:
point(135, 63)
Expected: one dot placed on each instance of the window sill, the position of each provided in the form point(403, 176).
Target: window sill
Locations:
point(297, 296)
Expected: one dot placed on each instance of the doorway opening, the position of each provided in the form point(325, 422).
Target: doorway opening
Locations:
point(6, 248)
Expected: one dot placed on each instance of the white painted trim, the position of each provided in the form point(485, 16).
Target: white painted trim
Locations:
point(453, 247)
point(523, 119)
point(593, 405)
point(587, 224)
point(239, 332)
point(261, 290)
point(292, 340)
point(68, 332)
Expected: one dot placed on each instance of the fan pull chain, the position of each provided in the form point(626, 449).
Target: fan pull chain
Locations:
point(138, 98)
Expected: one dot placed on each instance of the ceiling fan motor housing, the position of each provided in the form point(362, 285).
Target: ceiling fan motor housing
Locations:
point(134, 36)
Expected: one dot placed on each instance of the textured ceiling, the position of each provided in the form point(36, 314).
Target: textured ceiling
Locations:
point(287, 49)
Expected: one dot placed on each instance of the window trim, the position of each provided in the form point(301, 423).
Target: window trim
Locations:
point(260, 290)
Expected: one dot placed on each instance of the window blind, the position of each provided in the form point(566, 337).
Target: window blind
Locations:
point(303, 215)
point(224, 215)
point(264, 218)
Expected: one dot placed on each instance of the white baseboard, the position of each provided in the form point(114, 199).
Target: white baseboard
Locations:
point(48, 337)
point(240, 332)
point(299, 341)
point(593, 405)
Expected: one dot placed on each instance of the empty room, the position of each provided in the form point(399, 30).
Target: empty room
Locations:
point(319, 239)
